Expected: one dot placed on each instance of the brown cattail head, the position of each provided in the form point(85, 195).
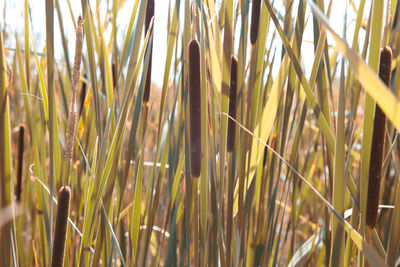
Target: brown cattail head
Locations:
point(20, 163)
point(255, 20)
point(60, 232)
point(195, 108)
point(149, 16)
point(232, 105)
point(69, 144)
point(114, 71)
point(378, 142)
point(82, 95)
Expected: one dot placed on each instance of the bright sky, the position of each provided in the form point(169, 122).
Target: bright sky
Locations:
point(15, 22)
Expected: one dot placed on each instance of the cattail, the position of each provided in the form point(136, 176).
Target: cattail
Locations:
point(266, 149)
point(114, 74)
point(195, 108)
point(82, 95)
point(378, 141)
point(20, 158)
point(265, 156)
point(232, 105)
point(69, 144)
point(255, 20)
point(149, 16)
point(60, 233)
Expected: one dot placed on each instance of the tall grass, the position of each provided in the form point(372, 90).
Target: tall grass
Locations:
point(281, 155)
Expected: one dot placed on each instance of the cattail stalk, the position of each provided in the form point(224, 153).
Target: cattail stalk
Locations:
point(75, 79)
point(378, 143)
point(20, 163)
point(195, 108)
point(60, 233)
point(255, 20)
point(149, 16)
point(232, 105)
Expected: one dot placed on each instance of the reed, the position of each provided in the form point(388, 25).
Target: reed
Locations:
point(276, 149)
point(60, 232)
point(232, 105)
point(194, 107)
point(149, 16)
point(378, 144)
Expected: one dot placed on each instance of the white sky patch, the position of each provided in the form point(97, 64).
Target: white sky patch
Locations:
point(14, 18)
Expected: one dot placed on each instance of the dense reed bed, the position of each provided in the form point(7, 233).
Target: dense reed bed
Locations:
point(268, 139)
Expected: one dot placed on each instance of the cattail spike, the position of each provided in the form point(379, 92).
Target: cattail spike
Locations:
point(232, 105)
point(378, 143)
point(82, 95)
point(255, 20)
point(114, 74)
point(195, 108)
point(385, 65)
point(149, 16)
point(69, 144)
point(60, 232)
point(20, 163)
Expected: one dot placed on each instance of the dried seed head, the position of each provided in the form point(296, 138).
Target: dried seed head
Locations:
point(69, 145)
point(18, 190)
point(195, 107)
point(232, 105)
point(78, 54)
point(255, 20)
point(378, 143)
point(60, 232)
point(149, 16)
